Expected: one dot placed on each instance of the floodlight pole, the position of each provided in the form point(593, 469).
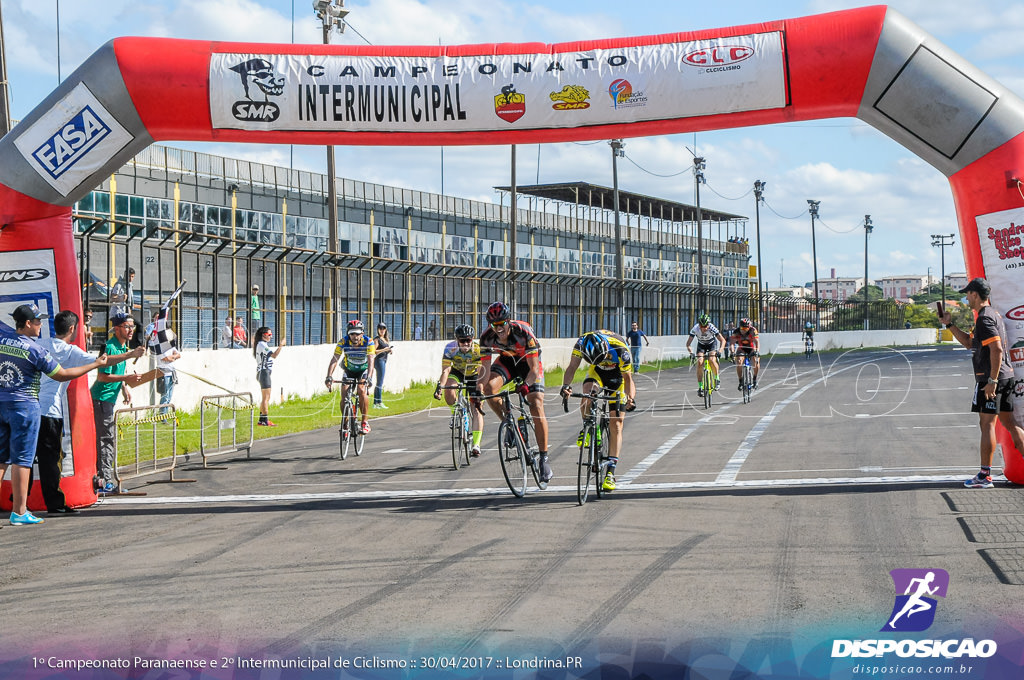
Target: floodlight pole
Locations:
point(812, 207)
point(620, 280)
point(758, 197)
point(939, 240)
point(868, 228)
point(332, 16)
point(698, 179)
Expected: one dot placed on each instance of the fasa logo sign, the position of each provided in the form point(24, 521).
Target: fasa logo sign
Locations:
point(72, 141)
point(59, 153)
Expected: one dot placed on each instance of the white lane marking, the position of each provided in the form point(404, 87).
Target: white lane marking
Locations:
point(503, 491)
point(732, 467)
point(932, 427)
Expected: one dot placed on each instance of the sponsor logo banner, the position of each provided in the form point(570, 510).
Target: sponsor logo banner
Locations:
point(72, 140)
point(1001, 235)
point(490, 92)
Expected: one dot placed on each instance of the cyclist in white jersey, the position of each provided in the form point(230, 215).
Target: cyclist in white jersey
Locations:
point(709, 339)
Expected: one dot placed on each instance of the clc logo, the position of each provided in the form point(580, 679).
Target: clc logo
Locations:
point(719, 55)
point(1017, 313)
point(914, 609)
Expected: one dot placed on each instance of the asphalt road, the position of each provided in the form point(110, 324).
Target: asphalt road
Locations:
point(774, 520)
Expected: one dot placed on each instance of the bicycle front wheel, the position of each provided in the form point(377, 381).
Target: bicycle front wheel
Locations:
point(709, 386)
point(747, 382)
point(600, 458)
point(513, 459)
point(459, 450)
point(344, 433)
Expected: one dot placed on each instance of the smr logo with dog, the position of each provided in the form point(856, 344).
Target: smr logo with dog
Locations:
point(259, 73)
point(916, 590)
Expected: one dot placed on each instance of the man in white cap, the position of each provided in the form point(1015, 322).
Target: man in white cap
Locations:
point(22, 363)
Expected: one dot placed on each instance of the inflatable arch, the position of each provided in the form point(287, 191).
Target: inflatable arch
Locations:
point(870, 63)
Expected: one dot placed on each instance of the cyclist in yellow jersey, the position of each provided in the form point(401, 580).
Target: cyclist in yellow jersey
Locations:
point(460, 362)
point(610, 368)
point(355, 352)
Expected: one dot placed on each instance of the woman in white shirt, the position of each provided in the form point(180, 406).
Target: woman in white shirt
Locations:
point(264, 364)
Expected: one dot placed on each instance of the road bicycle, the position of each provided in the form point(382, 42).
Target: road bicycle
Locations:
point(707, 379)
point(747, 378)
point(808, 345)
point(462, 430)
point(593, 460)
point(350, 432)
point(514, 450)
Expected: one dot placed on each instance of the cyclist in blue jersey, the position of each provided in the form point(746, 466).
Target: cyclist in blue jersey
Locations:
point(355, 351)
point(611, 368)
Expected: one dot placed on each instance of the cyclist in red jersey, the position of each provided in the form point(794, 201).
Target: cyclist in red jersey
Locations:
point(745, 342)
point(517, 353)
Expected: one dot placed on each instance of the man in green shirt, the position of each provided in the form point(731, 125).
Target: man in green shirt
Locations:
point(255, 317)
point(109, 382)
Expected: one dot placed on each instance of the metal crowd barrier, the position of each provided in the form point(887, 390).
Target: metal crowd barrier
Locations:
point(146, 442)
point(218, 414)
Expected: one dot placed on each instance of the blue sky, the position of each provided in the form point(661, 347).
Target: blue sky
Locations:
point(848, 166)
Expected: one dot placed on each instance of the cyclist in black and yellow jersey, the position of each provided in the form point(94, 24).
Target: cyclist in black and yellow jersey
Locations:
point(610, 368)
point(460, 362)
point(355, 351)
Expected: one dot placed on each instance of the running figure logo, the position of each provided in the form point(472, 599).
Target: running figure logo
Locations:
point(914, 609)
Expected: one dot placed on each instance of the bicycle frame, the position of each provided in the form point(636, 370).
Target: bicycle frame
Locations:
point(349, 431)
point(516, 456)
point(460, 424)
point(593, 457)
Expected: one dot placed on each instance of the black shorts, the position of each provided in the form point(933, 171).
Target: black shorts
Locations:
point(741, 351)
point(509, 368)
point(357, 374)
point(708, 348)
point(263, 377)
point(1001, 403)
point(471, 387)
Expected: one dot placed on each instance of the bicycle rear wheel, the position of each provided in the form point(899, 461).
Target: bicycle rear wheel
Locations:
point(513, 459)
point(585, 471)
point(358, 438)
point(345, 436)
point(600, 457)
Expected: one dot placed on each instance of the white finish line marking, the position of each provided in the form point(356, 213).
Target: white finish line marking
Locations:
point(503, 491)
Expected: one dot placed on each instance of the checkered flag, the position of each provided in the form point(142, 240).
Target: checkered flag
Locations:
point(160, 342)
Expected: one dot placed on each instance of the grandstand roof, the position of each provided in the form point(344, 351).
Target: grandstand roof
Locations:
point(596, 196)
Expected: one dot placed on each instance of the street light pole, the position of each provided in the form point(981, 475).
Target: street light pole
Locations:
point(332, 15)
point(868, 228)
point(812, 207)
point(698, 179)
point(758, 197)
point(620, 281)
point(939, 240)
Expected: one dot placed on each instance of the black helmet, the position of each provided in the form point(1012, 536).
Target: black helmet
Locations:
point(464, 331)
point(594, 347)
point(744, 322)
point(497, 312)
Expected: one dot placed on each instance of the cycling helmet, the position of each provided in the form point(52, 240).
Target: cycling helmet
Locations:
point(354, 326)
point(704, 320)
point(744, 323)
point(594, 347)
point(497, 312)
point(464, 332)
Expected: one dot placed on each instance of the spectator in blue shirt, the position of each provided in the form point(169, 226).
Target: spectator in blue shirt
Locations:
point(22, 363)
point(633, 337)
